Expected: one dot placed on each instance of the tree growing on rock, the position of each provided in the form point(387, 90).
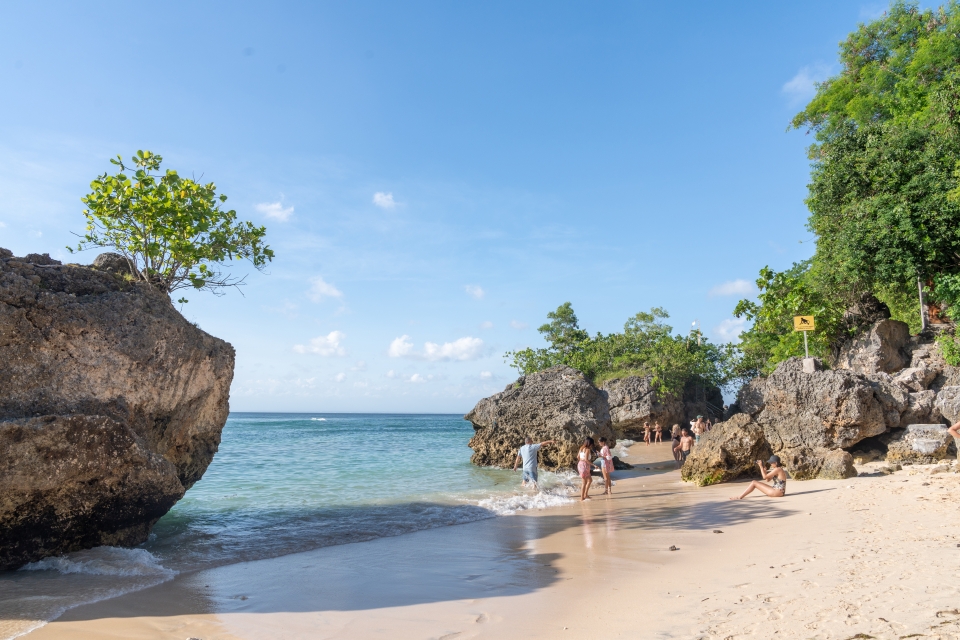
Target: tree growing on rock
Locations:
point(171, 230)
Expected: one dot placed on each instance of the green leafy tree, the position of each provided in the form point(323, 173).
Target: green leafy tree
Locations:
point(883, 195)
point(171, 230)
point(647, 346)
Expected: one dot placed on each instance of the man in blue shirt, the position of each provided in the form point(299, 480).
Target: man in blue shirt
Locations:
point(528, 453)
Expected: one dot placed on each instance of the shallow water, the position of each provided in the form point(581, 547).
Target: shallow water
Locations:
point(284, 483)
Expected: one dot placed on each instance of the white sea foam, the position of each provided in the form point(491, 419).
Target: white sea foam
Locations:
point(621, 450)
point(506, 505)
point(319, 419)
point(104, 561)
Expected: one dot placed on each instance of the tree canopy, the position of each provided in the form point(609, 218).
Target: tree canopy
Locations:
point(647, 346)
point(170, 229)
point(884, 195)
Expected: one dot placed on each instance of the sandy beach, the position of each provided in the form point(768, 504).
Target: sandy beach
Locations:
point(877, 556)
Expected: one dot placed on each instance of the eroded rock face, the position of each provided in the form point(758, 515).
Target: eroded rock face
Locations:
point(948, 403)
point(728, 451)
point(825, 410)
point(634, 400)
point(555, 404)
point(112, 367)
point(883, 348)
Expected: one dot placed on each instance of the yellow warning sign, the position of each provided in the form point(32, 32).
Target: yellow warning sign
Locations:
point(803, 323)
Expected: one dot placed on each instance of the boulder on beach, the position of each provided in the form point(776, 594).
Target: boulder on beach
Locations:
point(919, 444)
point(558, 403)
point(947, 403)
point(728, 451)
point(111, 407)
point(823, 410)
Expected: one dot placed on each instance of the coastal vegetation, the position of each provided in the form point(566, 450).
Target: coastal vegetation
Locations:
point(171, 230)
point(647, 346)
point(884, 196)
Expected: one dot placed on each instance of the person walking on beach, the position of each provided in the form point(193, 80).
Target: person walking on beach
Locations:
point(529, 454)
point(646, 433)
point(585, 466)
point(657, 432)
point(777, 488)
point(686, 442)
point(606, 467)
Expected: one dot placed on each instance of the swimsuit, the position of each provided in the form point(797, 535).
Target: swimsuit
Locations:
point(780, 485)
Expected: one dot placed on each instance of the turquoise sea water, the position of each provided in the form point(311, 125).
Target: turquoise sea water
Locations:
point(284, 483)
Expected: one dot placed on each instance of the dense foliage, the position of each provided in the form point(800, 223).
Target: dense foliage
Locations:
point(884, 196)
point(171, 230)
point(647, 346)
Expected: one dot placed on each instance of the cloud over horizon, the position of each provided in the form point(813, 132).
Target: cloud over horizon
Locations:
point(275, 210)
point(739, 287)
point(729, 330)
point(802, 87)
point(462, 349)
point(324, 346)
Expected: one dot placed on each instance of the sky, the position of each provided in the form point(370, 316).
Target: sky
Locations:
point(434, 176)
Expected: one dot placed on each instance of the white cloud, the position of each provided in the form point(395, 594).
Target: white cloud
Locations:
point(519, 326)
point(486, 375)
point(275, 210)
point(384, 200)
point(462, 349)
point(416, 378)
point(733, 288)
point(801, 87)
point(400, 347)
point(475, 290)
point(391, 374)
point(360, 366)
point(730, 329)
point(486, 324)
point(340, 377)
point(319, 289)
point(328, 345)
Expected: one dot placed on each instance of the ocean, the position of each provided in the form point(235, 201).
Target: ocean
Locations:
point(283, 483)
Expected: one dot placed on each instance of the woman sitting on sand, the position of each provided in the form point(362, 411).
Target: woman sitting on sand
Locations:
point(776, 489)
point(584, 466)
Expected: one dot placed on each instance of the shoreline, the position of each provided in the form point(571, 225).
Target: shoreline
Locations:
point(875, 554)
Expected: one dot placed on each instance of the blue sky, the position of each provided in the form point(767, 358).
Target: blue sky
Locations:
point(434, 176)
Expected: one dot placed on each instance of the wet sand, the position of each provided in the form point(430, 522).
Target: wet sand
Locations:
point(874, 555)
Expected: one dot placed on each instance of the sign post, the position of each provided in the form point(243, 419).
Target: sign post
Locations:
point(804, 324)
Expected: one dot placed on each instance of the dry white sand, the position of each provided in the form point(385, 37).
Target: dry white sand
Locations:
point(874, 556)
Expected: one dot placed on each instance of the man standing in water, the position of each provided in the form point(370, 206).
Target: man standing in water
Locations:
point(529, 453)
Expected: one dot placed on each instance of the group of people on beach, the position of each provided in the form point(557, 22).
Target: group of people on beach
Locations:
point(586, 457)
point(684, 441)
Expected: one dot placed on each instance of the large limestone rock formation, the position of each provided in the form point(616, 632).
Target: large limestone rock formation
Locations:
point(635, 400)
point(555, 404)
point(883, 348)
point(727, 452)
point(948, 403)
point(111, 406)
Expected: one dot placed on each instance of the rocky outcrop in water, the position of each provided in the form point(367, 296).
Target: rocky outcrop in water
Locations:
point(111, 406)
point(555, 404)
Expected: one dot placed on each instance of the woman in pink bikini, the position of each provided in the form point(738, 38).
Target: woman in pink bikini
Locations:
point(606, 466)
point(584, 466)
